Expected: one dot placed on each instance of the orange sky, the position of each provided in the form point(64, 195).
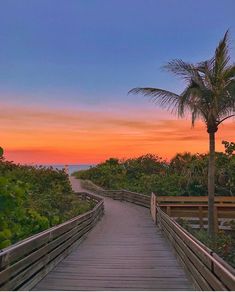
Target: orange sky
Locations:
point(42, 135)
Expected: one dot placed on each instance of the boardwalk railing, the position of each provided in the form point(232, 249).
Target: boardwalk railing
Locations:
point(124, 195)
point(195, 209)
point(24, 264)
point(206, 268)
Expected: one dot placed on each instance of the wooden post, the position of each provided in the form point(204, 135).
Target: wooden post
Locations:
point(216, 226)
point(200, 216)
point(153, 208)
point(168, 210)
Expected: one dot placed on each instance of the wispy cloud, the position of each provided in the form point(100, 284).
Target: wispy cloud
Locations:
point(37, 134)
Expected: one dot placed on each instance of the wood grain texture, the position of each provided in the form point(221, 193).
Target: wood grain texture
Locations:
point(24, 264)
point(124, 251)
point(208, 270)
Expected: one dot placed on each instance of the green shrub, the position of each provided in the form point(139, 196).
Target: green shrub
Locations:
point(184, 175)
point(34, 199)
point(223, 244)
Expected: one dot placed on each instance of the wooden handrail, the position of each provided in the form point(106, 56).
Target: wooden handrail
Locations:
point(25, 263)
point(207, 269)
point(194, 199)
point(132, 197)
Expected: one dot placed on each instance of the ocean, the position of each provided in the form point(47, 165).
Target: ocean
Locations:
point(71, 168)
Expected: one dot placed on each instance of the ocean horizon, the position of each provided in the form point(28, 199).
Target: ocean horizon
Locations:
point(71, 167)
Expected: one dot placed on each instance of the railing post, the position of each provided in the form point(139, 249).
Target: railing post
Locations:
point(168, 210)
point(200, 213)
point(153, 208)
point(216, 219)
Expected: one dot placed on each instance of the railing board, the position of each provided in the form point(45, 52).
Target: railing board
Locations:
point(218, 199)
point(128, 196)
point(199, 265)
point(25, 260)
point(31, 270)
point(196, 206)
point(201, 283)
point(222, 273)
point(28, 285)
point(33, 281)
point(218, 274)
point(7, 256)
point(24, 247)
point(197, 249)
point(36, 266)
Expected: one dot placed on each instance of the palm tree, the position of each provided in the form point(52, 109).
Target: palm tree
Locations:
point(209, 95)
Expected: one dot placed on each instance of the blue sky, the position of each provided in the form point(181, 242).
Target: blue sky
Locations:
point(91, 52)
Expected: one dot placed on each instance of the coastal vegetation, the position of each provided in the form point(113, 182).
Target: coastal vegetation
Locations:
point(184, 175)
point(209, 95)
point(222, 243)
point(33, 199)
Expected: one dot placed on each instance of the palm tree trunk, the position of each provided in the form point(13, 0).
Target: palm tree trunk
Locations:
point(211, 185)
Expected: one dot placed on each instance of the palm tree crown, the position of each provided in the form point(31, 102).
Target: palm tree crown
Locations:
point(210, 88)
point(209, 95)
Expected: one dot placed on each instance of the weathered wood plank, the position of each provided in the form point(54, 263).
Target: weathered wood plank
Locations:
point(206, 274)
point(197, 249)
point(27, 261)
point(124, 251)
point(198, 259)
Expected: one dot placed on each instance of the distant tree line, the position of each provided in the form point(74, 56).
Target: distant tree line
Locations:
point(184, 175)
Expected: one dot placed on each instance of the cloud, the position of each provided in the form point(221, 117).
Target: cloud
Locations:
point(55, 135)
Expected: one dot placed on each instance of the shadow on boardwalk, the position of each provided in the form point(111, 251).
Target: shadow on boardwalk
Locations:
point(124, 251)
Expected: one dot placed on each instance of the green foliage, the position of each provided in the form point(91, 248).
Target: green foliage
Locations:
point(34, 199)
point(1, 152)
point(222, 243)
point(185, 174)
point(229, 147)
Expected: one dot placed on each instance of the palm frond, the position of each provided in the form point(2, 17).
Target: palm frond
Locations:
point(221, 57)
point(164, 98)
point(205, 70)
point(229, 72)
point(180, 68)
point(209, 92)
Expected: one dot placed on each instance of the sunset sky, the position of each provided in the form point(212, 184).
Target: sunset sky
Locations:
point(66, 67)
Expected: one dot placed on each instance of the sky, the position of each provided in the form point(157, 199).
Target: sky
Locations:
point(66, 67)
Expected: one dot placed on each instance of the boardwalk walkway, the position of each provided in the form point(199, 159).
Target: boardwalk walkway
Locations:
point(124, 251)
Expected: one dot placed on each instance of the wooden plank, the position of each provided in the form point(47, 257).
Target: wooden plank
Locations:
point(125, 250)
point(218, 267)
point(224, 272)
point(15, 252)
point(200, 281)
point(42, 273)
point(218, 199)
point(17, 267)
point(38, 265)
point(33, 253)
point(206, 273)
point(24, 247)
point(197, 249)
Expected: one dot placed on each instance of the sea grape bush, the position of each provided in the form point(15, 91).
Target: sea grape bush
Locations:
point(184, 175)
point(33, 199)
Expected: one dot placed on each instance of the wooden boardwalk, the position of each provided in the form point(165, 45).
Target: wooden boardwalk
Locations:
point(124, 251)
